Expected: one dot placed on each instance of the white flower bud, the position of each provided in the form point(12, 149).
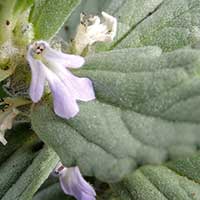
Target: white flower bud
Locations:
point(8, 113)
point(6, 120)
point(92, 30)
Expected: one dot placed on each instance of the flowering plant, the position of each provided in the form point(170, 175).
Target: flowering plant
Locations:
point(99, 99)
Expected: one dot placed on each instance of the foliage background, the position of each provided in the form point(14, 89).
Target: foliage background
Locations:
point(140, 138)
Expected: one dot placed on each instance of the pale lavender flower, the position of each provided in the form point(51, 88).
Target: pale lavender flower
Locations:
point(72, 183)
point(49, 64)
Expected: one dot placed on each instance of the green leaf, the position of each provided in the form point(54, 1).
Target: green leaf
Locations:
point(6, 11)
point(22, 5)
point(16, 138)
point(130, 13)
point(169, 24)
point(145, 112)
point(33, 176)
point(24, 165)
point(175, 180)
point(10, 12)
point(52, 192)
point(48, 16)
point(5, 74)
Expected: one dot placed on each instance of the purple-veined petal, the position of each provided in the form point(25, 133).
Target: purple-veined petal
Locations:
point(81, 88)
point(65, 104)
point(66, 60)
point(74, 184)
point(37, 80)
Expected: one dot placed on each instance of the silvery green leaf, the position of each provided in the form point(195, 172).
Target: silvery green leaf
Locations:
point(176, 180)
point(169, 24)
point(48, 16)
point(24, 164)
point(146, 111)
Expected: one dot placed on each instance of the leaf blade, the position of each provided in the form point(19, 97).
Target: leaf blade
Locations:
point(114, 129)
point(24, 164)
point(48, 18)
point(161, 182)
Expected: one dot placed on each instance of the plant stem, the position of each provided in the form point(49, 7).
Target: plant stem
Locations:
point(7, 22)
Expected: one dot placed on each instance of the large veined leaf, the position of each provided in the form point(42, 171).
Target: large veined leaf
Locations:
point(24, 164)
point(129, 14)
point(145, 112)
point(175, 180)
point(170, 24)
point(47, 16)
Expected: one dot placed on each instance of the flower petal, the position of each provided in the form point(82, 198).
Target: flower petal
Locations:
point(74, 184)
point(111, 23)
point(37, 80)
point(64, 101)
point(66, 60)
point(2, 138)
point(50, 64)
point(81, 88)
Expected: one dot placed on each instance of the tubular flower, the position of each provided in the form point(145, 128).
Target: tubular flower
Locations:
point(50, 65)
point(72, 183)
point(92, 30)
